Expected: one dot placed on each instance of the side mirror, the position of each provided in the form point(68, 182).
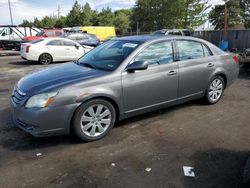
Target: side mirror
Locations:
point(77, 46)
point(137, 65)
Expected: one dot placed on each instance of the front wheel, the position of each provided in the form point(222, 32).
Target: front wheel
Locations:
point(215, 90)
point(94, 119)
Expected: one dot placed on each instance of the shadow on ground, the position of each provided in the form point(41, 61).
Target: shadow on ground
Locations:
point(12, 138)
point(23, 62)
point(218, 168)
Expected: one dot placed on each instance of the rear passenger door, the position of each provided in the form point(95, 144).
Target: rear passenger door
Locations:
point(196, 64)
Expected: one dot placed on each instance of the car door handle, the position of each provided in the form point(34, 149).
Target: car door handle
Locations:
point(210, 64)
point(171, 73)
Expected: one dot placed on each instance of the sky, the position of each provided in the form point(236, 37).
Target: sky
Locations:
point(28, 9)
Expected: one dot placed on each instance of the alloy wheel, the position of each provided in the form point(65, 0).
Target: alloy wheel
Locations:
point(95, 120)
point(215, 90)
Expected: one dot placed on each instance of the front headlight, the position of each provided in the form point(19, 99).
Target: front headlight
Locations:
point(40, 100)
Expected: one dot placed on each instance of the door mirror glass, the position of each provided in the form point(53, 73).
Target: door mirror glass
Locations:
point(137, 65)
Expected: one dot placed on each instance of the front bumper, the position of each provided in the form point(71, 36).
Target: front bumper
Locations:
point(41, 122)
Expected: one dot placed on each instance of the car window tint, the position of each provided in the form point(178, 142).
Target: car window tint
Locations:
point(157, 54)
point(49, 33)
point(58, 33)
point(55, 43)
point(68, 43)
point(177, 33)
point(189, 50)
point(207, 52)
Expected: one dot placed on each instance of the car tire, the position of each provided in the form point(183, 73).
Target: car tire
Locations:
point(215, 90)
point(45, 59)
point(94, 119)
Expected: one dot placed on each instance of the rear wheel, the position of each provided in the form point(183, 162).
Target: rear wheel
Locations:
point(94, 119)
point(45, 59)
point(215, 90)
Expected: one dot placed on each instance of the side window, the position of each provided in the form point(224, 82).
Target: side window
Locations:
point(49, 33)
point(68, 43)
point(189, 50)
point(177, 33)
point(58, 33)
point(157, 54)
point(207, 52)
point(55, 43)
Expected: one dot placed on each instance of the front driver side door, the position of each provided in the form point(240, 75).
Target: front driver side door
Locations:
point(157, 84)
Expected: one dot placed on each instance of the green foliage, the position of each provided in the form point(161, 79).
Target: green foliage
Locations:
point(87, 15)
point(106, 17)
point(151, 15)
point(194, 14)
point(61, 22)
point(74, 18)
point(26, 23)
point(37, 23)
point(147, 15)
point(236, 14)
point(122, 21)
point(48, 22)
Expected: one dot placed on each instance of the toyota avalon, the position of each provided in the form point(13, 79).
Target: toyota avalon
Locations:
point(121, 78)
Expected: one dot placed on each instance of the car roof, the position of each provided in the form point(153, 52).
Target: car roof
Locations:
point(145, 38)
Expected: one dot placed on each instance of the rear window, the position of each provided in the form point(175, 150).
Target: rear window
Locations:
point(59, 33)
point(55, 43)
point(186, 33)
point(36, 41)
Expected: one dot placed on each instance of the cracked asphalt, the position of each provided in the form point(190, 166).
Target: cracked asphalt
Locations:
point(214, 139)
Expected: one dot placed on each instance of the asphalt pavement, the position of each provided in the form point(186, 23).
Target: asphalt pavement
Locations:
point(143, 151)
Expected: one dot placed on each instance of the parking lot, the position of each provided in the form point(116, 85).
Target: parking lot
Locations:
point(213, 139)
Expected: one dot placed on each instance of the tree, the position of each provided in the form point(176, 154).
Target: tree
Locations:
point(87, 15)
point(61, 22)
point(48, 22)
point(151, 15)
point(37, 23)
point(235, 12)
point(74, 18)
point(194, 13)
point(26, 23)
point(106, 17)
point(122, 20)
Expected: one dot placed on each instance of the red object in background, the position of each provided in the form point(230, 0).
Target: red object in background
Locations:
point(44, 34)
point(236, 59)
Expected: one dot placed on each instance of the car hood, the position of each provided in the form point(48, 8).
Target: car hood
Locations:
point(56, 77)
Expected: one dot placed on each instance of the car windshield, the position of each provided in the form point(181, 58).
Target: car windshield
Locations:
point(40, 33)
point(109, 55)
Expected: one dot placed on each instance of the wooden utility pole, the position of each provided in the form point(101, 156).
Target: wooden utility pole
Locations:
point(225, 20)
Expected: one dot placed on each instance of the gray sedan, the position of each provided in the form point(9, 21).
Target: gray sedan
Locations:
point(121, 78)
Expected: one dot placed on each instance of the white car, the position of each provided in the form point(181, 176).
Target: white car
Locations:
point(50, 50)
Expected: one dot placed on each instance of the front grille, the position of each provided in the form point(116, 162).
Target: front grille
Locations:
point(18, 96)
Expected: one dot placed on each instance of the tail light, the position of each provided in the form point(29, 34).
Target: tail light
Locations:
point(27, 49)
point(236, 59)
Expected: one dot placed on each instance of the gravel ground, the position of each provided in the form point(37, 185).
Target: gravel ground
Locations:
point(214, 139)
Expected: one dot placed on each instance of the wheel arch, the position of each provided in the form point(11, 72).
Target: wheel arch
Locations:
point(109, 99)
point(223, 75)
point(46, 53)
